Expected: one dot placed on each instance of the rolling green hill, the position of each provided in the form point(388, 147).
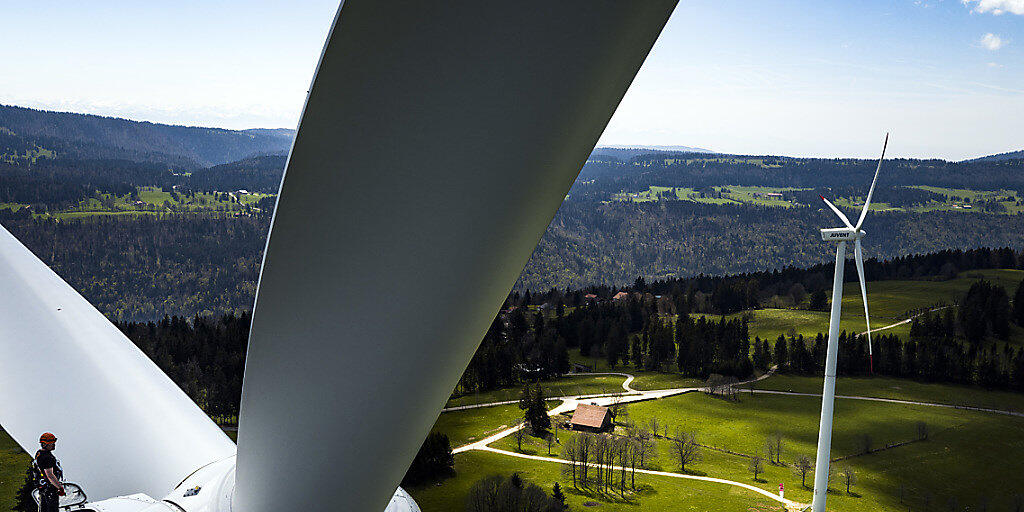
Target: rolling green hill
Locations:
point(71, 135)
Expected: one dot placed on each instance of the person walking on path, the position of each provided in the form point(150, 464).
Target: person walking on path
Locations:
point(49, 474)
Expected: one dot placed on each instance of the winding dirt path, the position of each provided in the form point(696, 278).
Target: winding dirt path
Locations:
point(630, 395)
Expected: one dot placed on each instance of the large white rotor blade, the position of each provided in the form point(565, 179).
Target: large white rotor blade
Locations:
point(871, 191)
point(437, 141)
point(858, 256)
point(839, 212)
point(123, 426)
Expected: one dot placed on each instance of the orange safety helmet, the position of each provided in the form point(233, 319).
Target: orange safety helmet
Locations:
point(47, 438)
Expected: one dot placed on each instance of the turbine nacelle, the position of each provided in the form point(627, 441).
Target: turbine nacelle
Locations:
point(841, 234)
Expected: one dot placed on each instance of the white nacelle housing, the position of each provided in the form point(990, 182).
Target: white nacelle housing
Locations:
point(840, 234)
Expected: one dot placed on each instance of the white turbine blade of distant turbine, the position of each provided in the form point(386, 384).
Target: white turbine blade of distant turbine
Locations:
point(123, 426)
point(867, 200)
point(858, 256)
point(493, 103)
point(839, 212)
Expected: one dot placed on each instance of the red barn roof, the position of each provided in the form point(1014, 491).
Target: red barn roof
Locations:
point(587, 415)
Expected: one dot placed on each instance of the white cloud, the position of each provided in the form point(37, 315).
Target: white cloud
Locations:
point(997, 7)
point(994, 65)
point(991, 41)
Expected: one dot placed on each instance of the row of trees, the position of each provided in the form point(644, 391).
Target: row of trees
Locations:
point(593, 458)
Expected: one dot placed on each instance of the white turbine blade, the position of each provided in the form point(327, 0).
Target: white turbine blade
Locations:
point(123, 426)
point(871, 191)
point(859, 259)
point(839, 212)
point(414, 104)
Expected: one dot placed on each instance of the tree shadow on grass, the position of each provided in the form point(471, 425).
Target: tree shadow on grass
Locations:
point(693, 472)
point(592, 492)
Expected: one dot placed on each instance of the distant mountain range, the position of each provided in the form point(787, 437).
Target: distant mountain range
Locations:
point(84, 136)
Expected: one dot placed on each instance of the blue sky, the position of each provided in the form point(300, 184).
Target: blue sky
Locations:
point(821, 78)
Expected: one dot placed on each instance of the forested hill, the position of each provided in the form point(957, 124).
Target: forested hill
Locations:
point(25, 131)
point(701, 170)
point(1001, 156)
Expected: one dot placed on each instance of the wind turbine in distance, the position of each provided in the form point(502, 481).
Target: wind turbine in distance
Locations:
point(842, 235)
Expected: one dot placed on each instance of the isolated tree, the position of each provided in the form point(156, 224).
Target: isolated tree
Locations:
point(922, 430)
point(685, 448)
point(849, 477)
point(537, 413)
point(584, 445)
point(519, 435)
point(756, 466)
point(570, 452)
point(558, 498)
point(773, 445)
point(622, 449)
point(634, 453)
point(652, 425)
point(23, 501)
point(803, 465)
point(819, 301)
point(865, 443)
point(952, 504)
point(928, 498)
point(433, 461)
point(1017, 314)
point(550, 438)
point(525, 397)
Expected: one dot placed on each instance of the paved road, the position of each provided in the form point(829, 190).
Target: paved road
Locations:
point(906, 321)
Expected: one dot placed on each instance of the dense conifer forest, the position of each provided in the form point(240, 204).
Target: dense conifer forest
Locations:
point(671, 326)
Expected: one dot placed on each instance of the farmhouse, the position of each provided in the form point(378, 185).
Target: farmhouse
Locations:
point(590, 297)
point(620, 295)
point(591, 418)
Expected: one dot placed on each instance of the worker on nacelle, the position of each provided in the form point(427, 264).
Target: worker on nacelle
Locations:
point(49, 474)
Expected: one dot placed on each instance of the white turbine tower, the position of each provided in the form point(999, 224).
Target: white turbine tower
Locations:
point(842, 235)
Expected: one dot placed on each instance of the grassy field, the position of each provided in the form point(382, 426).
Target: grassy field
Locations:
point(151, 200)
point(645, 381)
point(901, 389)
point(956, 461)
point(564, 386)
point(890, 301)
point(960, 200)
point(729, 195)
point(658, 493)
point(13, 462)
point(463, 427)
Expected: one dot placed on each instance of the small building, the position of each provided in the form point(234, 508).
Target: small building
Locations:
point(591, 418)
point(620, 295)
point(590, 297)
